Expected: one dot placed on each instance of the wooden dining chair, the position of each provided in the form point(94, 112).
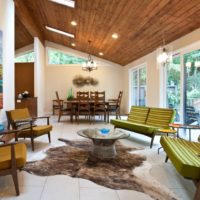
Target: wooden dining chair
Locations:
point(114, 106)
point(83, 107)
point(63, 110)
point(56, 105)
point(100, 105)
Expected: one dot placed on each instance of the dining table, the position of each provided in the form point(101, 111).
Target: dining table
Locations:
point(73, 104)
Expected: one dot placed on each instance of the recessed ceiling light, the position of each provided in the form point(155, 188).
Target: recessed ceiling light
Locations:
point(101, 53)
point(69, 3)
point(73, 44)
point(115, 36)
point(60, 32)
point(73, 23)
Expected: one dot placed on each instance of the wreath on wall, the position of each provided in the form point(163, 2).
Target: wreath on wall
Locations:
point(80, 81)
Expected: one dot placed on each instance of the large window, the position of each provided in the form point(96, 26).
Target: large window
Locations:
point(183, 86)
point(138, 86)
point(59, 58)
point(27, 57)
point(191, 93)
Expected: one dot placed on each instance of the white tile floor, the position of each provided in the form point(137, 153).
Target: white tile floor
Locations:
point(63, 187)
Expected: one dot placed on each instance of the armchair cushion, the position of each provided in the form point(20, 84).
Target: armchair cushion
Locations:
point(42, 129)
point(20, 114)
point(5, 156)
point(37, 131)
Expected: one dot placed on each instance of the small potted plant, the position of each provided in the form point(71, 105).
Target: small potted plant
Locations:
point(70, 95)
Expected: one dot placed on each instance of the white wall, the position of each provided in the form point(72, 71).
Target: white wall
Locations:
point(39, 75)
point(154, 78)
point(59, 78)
point(7, 15)
point(23, 50)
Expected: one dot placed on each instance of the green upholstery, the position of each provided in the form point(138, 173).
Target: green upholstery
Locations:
point(138, 114)
point(146, 120)
point(185, 156)
point(160, 117)
point(135, 127)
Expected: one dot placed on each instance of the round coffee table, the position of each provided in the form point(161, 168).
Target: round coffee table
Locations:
point(103, 144)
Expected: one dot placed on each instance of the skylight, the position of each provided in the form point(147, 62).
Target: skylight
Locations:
point(69, 3)
point(60, 32)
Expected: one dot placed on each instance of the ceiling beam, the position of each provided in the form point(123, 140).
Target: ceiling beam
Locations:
point(26, 19)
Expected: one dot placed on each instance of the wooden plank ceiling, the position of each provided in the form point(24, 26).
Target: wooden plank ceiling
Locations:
point(141, 24)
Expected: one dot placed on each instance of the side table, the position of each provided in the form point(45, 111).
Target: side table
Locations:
point(186, 127)
point(167, 132)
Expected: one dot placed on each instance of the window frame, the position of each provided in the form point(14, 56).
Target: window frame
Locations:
point(131, 71)
point(62, 65)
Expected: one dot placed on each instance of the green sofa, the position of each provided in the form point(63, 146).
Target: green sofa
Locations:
point(185, 156)
point(146, 120)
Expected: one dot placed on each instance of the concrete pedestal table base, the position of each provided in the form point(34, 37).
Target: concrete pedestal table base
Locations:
point(103, 145)
point(104, 148)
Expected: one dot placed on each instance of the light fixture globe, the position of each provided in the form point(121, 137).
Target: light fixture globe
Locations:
point(162, 58)
point(90, 64)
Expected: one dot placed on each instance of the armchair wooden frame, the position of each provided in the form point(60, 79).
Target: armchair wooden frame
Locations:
point(27, 125)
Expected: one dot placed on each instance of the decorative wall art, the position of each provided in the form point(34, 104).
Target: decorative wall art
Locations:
point(1, 71)
point(80, 81)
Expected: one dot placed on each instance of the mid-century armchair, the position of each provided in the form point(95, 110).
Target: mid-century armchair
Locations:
point(20, 119)
point(12, 158)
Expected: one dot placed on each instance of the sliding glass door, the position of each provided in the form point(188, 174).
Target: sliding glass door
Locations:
point(191, 101)
point(173, 85)
point(138, 86)
point(183, 86)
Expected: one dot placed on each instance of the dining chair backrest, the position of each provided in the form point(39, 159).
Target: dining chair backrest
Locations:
point(92, 96)
point(83, 97)
point(119, 99)
point(99, 97)
point(58, 100)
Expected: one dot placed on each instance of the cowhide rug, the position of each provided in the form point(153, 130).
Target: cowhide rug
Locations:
point(75, 160)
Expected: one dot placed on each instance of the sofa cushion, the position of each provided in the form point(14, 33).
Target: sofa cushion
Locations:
point(184, 155)
point(138, 114)
point(135, 127)
point(160, 117)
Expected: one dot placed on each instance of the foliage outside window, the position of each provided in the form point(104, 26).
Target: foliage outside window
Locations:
point(59, 58)
point(173, 86)
point(28, 57)
point(192, 74)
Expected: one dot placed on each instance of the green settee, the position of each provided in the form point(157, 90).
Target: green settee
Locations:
point(146, 120)
point(185, 156)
